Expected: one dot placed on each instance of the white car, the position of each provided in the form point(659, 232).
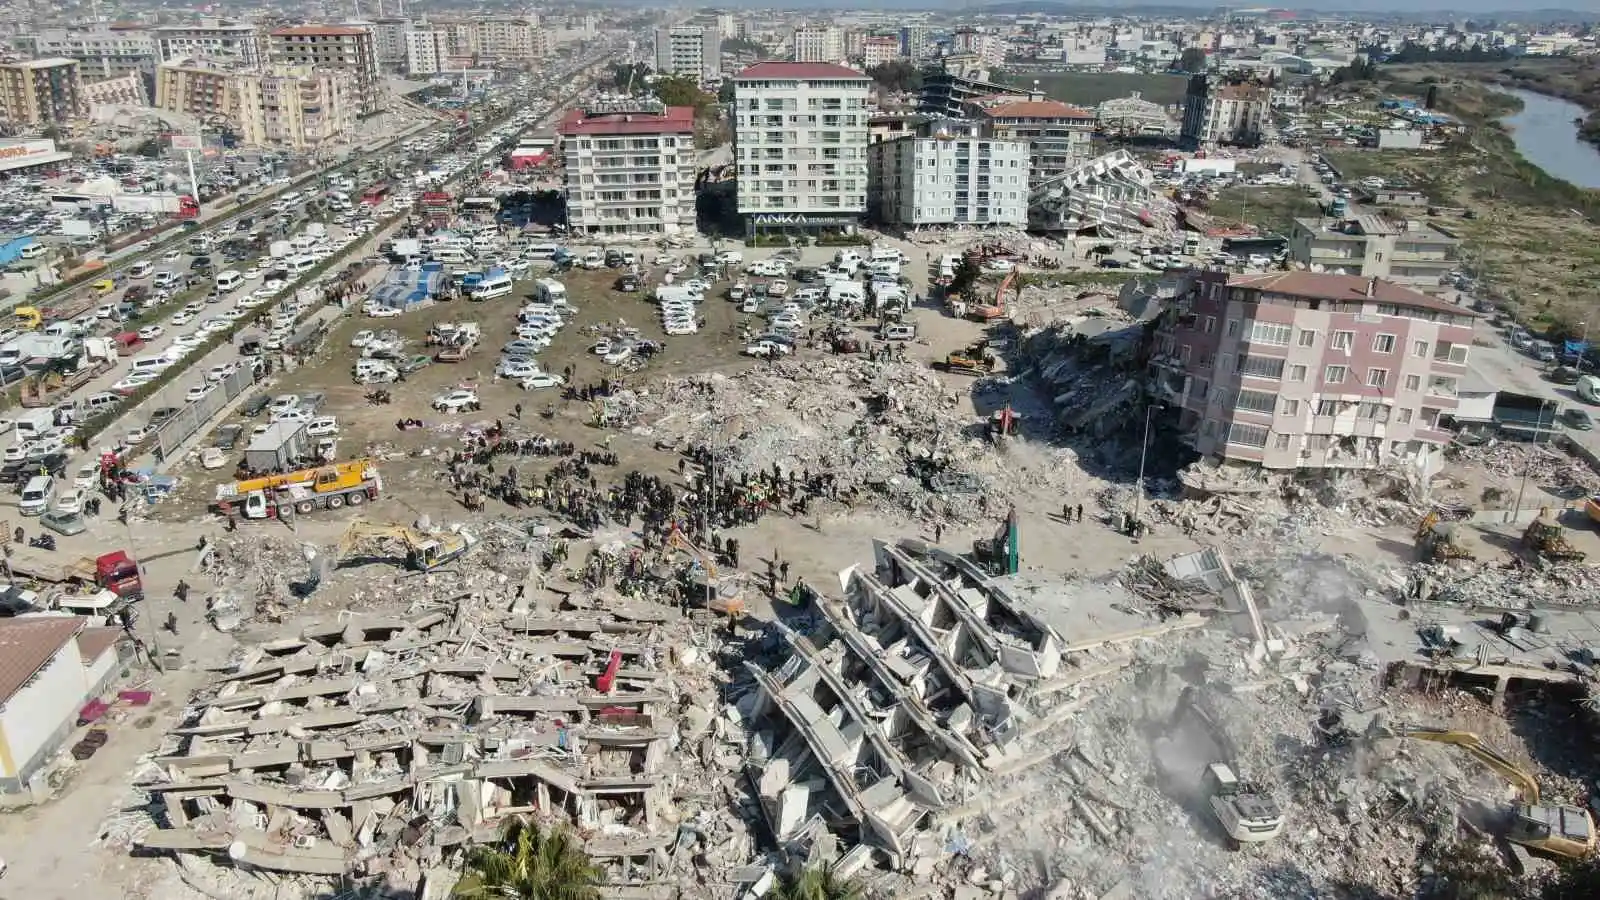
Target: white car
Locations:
point(289, 415)
point(677, 267)
point(284, 402)
point(183, 317)
point(69, 501)
point(17, 452)
point(197, 392)
point(171, 256)
point(788, 322)
point(662, 259)
point(680, 328)
point(601, 347)
point(131, 383)
point(672, 309)
point(518, 369)
point(361, 339)
point(456, 401)
point(998, 265)
point(768, 348)
point(383, 312)
point(87, 476)
point(322, 425)
point(187, 342)
point(214, 326)
point(151, 332)
point(618, 355)
point(221, 371)
point(777, 288)
point(272, 284)
point(542, 380)
point(140, 435)
point(237, 313)
point(251, 274)
point(767, 267)
point(697, 285)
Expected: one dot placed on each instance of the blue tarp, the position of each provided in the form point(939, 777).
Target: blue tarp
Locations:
point(405, 288)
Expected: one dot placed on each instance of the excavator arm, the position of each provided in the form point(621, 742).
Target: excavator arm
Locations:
point(1474, 746)
point(361, 530)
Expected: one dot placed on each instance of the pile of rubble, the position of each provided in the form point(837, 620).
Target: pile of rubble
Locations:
point(1542, 464)
point(887, 431)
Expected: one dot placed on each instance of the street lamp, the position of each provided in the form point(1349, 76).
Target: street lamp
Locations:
point(1583, 342)
point(1523, 485)
point(1144, 452)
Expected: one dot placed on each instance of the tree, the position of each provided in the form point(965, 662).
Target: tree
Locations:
point(895, 76)
point(681, 90)
point(743, 45)
point(529, 863)
point(817, 883)
point(725, 92)
point(1193, 60)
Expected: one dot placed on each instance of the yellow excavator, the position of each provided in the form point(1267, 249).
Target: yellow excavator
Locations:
point(424, 552)
point(1439, 541)
point(1559, 830)
point(724, 594)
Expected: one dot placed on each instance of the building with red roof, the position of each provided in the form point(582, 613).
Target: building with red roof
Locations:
point(1058, 134)
point(630, 167)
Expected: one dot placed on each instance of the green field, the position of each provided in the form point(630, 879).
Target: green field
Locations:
point(1272, 208)
point(1094, 88)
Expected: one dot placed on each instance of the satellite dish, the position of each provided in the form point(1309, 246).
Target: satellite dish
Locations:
point(237, 850)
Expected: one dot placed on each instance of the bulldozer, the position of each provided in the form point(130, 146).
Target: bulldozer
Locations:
point(1545, 539)
point(424, 551)
point(1439, 541)
point(975, 359)
point(1557, 830)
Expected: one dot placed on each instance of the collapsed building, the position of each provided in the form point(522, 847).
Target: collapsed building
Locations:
point(1112, 195)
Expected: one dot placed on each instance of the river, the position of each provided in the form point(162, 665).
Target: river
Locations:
point(1546, 135)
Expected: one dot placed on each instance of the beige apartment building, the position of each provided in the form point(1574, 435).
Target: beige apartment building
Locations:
point(41, 91)
point(510, 39)
point(1406, 252)
point(296, 107)
point(194, 87)
point(329, 47)
point(124, 90)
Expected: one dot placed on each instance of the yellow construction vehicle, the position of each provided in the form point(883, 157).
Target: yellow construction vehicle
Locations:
point(301, 491)
point(1546, 539)
point(424, 552)
point(27, 318)
point(722, 594)
point(1439, 541)
point(1567, 831)
point(976, 359)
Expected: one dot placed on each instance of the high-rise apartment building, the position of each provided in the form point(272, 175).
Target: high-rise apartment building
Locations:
point(194, 87)
point(914, 41)
point(427, 50)
point(948, 173)
point(1058, 135)
point(693, 51)
point(296, 107)
point(630, 167)
point(324, 47)
point(1215, 112)
point(818, 44)
point(389, 40)
point(105, 51)
point(509, 39)
point(800, 141)
point(226, 42)
point(877, 49)
point(41, 91)
point(1290, 370)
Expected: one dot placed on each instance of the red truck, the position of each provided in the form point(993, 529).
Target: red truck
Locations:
point(115, 571)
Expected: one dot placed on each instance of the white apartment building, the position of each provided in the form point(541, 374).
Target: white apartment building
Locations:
point(948, 174)
point(800, 141)
point(427, 51)
point(630, 168)
point(235, 44)
point(334, 47)
point(389, 40)
point(990, 48)
point(877, 49)
point(818, 44)
point(692, 51)
point(510, 39)
point(105, 52)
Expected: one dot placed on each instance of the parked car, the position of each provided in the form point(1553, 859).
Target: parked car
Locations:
point(542, 380)
point(456, 401)
point(1577, 419)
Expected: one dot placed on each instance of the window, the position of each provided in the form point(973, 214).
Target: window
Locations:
point(1260, 367)
point(1333, 374)
point(1383, 343)
point(1448, 352)
point(1404, 417)
point(1297, 373)
point(1374, 411)
point(1270, 333)
point(1256, 401)
point(1329, 407)
point(1413, 382)
point(1201, 388)
point(1280, 441)
point(1289, 407)
point(1308, 338)
point(1225, 363)
point(1441, 385)
point(1209, 428)
point(1233, 328)
point(1247, 435)
point(1377, 377)
point(1343, 340)
point(1184, 353)
point(1419, 349)
point(1211, 324)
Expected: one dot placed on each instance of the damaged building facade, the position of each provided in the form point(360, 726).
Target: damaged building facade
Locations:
point(1112, 194)
point(1291, 370)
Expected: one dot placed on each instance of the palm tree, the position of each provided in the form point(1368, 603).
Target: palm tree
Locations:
point(817, 883)
point(529, 863)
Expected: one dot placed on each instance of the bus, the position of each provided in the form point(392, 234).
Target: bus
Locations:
point(375, 194)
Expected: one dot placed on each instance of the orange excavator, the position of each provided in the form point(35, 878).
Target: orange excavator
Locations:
point(998, 309)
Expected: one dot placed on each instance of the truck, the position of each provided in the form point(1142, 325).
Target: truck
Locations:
point(1338, 207)
point(99, 355)
point(301, 491)
point(404, 248)
point(279, 250)
point(278, 447)
point(153, 204)
point(115, 571)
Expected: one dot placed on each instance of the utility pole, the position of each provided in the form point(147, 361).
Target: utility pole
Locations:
point(1144, 451)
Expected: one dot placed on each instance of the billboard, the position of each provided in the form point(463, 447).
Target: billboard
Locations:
point(188, 142)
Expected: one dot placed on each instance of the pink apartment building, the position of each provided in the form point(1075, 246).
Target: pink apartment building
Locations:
point(1294, 370)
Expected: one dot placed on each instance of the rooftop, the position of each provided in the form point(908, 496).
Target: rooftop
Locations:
point(316, 30)
point(27, 645)
point(1343, 288)
point(1364, 225)
point(676, 120)
point(1037, 109)
point(95, 641)
point(781, 70)
point(47, 63)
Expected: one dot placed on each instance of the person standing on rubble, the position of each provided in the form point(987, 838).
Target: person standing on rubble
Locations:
point(783, 571)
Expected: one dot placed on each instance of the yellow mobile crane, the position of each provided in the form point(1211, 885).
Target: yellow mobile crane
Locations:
point(723, 594)
point(1559, 830)
point(424, 552)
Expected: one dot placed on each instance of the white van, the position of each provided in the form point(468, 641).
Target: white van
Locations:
point(151, 364)
point(886, 267)
point(299, 265)
point(141, 268)
point(490, 288)
point(34, 251)
point(229, 281)
point(36, 495)
point(451, 255)
point(550, 291)
point(94, 403)
point(166, 279)
point(541, 251)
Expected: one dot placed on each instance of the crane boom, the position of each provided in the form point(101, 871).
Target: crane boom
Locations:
point(1524, 783)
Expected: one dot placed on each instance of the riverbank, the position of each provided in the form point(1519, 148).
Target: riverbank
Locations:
point(1558, 77)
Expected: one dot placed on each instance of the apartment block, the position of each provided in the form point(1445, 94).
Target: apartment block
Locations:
point(1215, 112)
point(990, 48)
point(877, 49)
point(124, 90)
point(295, 107)
point(1292, 370)
point(915, 41)
point(389, 40)
point(325, 47)
point(691, 51)
point(105, 51)
point(227, 42)
point(41, 91)
point(427, 51)
point(948, 173)
point(194, 87)
point(509, 39)
point(1058, 135)
point(1407, 252)
point(800, 141)
point(630, 168)
point(818, 44)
